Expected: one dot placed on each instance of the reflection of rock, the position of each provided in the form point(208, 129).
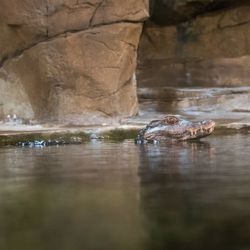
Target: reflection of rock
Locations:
point(192, 193)
point(95, 195)
point(69, 59)
point(209, 50)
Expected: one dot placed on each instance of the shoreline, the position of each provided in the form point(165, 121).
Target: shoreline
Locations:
point(12, 135)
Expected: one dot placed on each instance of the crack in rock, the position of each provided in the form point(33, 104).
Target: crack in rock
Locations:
point(19, 52)
point(94, 13)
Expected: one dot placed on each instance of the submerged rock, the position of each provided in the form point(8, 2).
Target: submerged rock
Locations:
point(174, 128)
point(50, 142)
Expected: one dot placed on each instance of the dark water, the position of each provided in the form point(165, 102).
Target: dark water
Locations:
point(115, 196)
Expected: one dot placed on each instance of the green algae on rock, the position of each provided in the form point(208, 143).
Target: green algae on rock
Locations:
point(47, 138)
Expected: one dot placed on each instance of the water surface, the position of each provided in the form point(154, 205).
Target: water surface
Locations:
point(104, 195)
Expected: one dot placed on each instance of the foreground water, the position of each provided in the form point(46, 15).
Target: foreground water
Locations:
point(115, 196)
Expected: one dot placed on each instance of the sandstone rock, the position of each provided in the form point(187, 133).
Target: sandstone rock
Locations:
point(69, 61)
point(74, 75)
point(25, 23)
point(212, 49)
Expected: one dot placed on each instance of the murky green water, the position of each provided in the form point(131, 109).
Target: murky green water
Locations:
point(115, 196)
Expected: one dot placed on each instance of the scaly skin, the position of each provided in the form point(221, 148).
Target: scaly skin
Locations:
point(174, 128)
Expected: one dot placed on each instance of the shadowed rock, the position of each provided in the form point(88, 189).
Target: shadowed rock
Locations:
point(208, 50)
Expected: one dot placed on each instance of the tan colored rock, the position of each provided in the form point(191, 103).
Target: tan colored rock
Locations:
point(69, 60)
point(213, 49)
point(113, 11)
point(70, 77)
point(13, 97)
point(28, 22)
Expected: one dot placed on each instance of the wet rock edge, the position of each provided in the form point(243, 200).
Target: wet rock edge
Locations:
point(21, 139)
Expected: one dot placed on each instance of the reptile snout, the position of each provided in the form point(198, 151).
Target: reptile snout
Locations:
point(208, 126)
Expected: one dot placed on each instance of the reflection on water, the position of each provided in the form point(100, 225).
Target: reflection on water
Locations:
point(191, 195)
point(197, 195)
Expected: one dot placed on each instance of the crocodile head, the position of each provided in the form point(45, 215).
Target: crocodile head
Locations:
point(175, 128)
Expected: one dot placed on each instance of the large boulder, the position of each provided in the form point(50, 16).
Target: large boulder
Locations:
point(211, 49)
point(69, 61)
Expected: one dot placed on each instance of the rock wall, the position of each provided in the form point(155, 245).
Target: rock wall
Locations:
point(70, 61)
point(211, 49)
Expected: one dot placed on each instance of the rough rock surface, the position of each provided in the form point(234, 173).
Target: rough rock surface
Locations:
point(69, 61)
point(211, 49)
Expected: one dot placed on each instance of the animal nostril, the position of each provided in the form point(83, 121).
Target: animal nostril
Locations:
point(192, 132)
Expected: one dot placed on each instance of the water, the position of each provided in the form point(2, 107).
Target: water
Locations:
point(110, 196)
